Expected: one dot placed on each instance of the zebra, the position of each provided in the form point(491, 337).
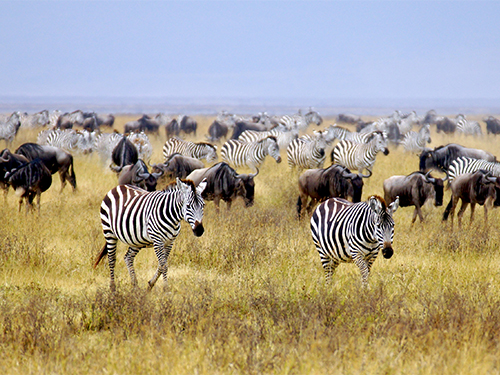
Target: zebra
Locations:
point(104, 145)
point(341, 133)
point(9, 127)
point(353, 232)
point(467, 127)
point(299, 121)
point(238, 153)
point(143, 144)
point(201, 150)
point(66, 139)
point(143, 219)
point(465, 164)
point(360, 156)
point(282, 134)
point(307, 152)
point(415, 141)
point(35, 120)
point(54, 118)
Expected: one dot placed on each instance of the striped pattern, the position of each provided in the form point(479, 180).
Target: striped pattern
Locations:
point(200, 150)
point(353, 232)
point(307, 152)
point(238, 153)
point(416, 141)
point(463, 165)
point(299, 121)
point(143, 219)
point(283, 136)
point(143, 145)
point(467, 127)
point(9, 127)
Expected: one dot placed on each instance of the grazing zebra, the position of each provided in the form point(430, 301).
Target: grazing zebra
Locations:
point(353, 232)
point(104, 145)
point(9, 128)
point(467, 127)
point(238, 153)
point(68, 139)
point(415, 141)
point(282, 134)
point(143, 219)
point(463, 165)
point(360, 156)
point(307, 152)
point(201, 150)
point(300, 121)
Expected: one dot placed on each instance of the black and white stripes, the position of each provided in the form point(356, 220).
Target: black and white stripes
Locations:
point(238, 153)
point(201, 150)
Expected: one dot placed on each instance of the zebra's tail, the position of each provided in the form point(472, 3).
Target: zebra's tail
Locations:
point(447, 210)
point(103, 252)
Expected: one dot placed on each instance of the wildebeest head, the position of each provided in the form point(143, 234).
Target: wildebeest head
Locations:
point(438, 189)
point(245, 187)
point(385, 223)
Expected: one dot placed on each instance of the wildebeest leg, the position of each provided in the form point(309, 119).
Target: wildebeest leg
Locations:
point(228, 204)
point(461, 212)
point(162, 252)
point(472, 208)
point(217, 204)
point(419, 211)
point(62, 175)
point(414, 215)
point(129, 261)
point(311, 205)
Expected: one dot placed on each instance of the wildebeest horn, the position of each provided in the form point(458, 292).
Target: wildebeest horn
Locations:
point(429, 179)
point(492, 179)
point(365, 176)
point(158, 174)
point(254, 174)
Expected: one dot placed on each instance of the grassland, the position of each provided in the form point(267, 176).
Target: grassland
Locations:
point(249, 296)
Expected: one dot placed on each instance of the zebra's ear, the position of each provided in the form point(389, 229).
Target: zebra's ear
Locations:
point(201, 186)
point(181, 185)
point(393, 206)
point(375, 204)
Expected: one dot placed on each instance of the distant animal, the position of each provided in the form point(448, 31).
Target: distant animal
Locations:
point(492, 125)
point(187, 124)
point(348, 118)
point(35, 120)
point(69, 120)
point(9, 162)
point(143, 219)
point(104, 145)
point(55, 159)
point(343, 231)
point(441, 157)
point(468, 127)
point(9, 128)
point(341, 133)
point(360, 156)
point(463, 165)
point(283, 136)
point(143, 145)
point(105, 120)
point(321, 184)
point(201, 150)
point(29, 181)
point(241, 125)
point(177, 166)
point(416, 141)
point(223, 183)
point(299, 121)
point(138, 175)
point(472, 188)
point(446, 125)
point(251, 154)
point(217, 130)
point(144, 123)
point(430, 117)
point(172, 128)
point(414, 190)
point(125, 153)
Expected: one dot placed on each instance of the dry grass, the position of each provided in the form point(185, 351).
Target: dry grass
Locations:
point(248, 296)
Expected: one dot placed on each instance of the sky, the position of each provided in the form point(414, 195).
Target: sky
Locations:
point(310, 51)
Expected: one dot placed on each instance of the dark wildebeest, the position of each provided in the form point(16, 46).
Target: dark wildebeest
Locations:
point(441, 157)
point(8, 162)
point(54, 158)
point(216, 131)
point(68, 120)
point(322, 184)
point(474, 188)
point(430, 117)
point(188, 125)
point(446, 125)
point(145, 124)
point(241, 126)
point(29, 181)
point(172, 128)
point(124, 153)
point(414, 190)
point(105, 120)
point(492, 125)
point(177, 165)
point(138, 175)
point(224, 183)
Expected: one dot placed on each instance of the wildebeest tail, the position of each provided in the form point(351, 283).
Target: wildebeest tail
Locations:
point(103, 252)
point(72, 174)
point(447, 210)
point(299, 206)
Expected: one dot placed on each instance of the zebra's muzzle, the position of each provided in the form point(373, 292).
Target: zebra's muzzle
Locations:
point(278, 160)
point(198, 229)
point(386, 151)
point(387, 252)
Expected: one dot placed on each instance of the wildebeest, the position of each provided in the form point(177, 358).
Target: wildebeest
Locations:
point(177, 165)
point(29, 181)
point(414, 190)
point(144, 123)
point(241, 126)
point(492, 125)
point(68, 120)
point(55, 159)
point(446, 125)
point(172, 128)
point(187, 124)
point(224, 183)
point(125, 153)
point(348, 118)
point(8, 162)
point(105, 120)
point(321, 184)
point(441, 157)
point(138, 175)
point(474, 188)
point(217, 130)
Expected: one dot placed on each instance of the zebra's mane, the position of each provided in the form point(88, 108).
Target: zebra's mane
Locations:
point(381, 200)
point(272, 137)
point(206, 144)
point(173, 185)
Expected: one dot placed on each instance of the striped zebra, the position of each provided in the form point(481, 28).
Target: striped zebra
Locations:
point(341, 133)
point(283, 136)
point(9, 127)
point(54, 118)
point(307, 152)
point(143, 144)
point(467, 127)
point(104, 145)
point(238, 153)
point(463, 165)
point(201, 150)
point(299, 121)
point(143, 219)
point(415, 141)
point(360, 156)
point(353, 232)
point(66, 139)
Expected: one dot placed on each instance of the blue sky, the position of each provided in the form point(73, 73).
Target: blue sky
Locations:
point(276, 50)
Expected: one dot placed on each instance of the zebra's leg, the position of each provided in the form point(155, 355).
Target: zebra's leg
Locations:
point(111, 249)
point(329, 265)
point(129, 262)
point(363, 266)
point(162, 252)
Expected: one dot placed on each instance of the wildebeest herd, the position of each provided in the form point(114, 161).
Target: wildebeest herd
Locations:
point(343, 227)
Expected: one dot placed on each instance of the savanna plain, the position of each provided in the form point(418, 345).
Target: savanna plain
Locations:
point(249, 296)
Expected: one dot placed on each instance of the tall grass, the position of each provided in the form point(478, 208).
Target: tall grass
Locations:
point(249, 296)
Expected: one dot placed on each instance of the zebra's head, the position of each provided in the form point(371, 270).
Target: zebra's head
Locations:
point(273, 148)
point(380, 141)
point(210, 152)
point(193, 203)
point(384, 231)
point(313, 117)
